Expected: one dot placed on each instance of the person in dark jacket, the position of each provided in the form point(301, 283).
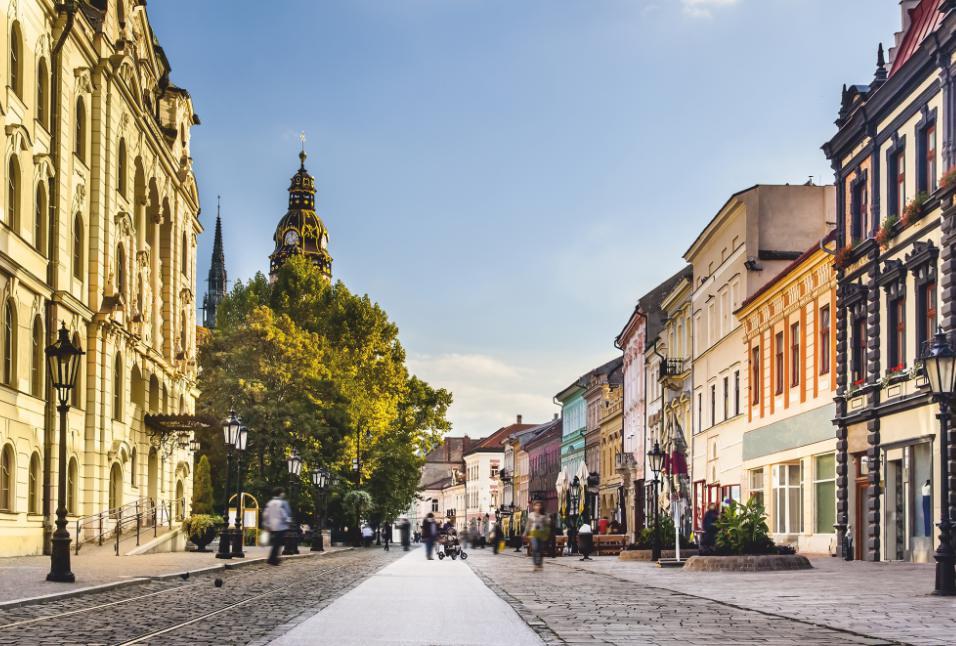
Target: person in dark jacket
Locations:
point(405, 530)
point(429, 534)
point(387, 535)
point(709, 538)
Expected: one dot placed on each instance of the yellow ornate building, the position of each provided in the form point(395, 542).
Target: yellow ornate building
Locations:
point(98, 229)
point(611, 420)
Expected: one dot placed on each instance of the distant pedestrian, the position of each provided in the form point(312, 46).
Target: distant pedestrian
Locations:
point(277, 517)
point(708, 540)
point(367, 535)
point(387, 535)
point(539, 532)
point(603, 524)
point(405, 530)
point(429, 534)
point(614, 527)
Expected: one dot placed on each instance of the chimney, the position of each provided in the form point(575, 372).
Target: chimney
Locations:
point(519, 418)
point(555, 417)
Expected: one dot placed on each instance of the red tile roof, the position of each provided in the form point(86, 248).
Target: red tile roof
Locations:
point(493, 441)
point(924, 19)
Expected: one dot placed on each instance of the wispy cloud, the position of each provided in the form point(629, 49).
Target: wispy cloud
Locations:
point(704, 8)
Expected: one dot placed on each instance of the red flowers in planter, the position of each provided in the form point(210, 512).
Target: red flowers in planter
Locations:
point(842, 258)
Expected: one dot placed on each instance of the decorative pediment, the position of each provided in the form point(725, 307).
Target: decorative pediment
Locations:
point(854, 295)
point(19, 137)
point(924, 253)
point(893, 272)
point(84, 80)
point(43, 167)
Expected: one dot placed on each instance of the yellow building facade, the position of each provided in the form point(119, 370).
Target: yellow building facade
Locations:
point(98, 231)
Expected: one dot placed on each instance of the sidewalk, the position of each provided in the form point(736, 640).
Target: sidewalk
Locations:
point(416, 602)
point(24, 577)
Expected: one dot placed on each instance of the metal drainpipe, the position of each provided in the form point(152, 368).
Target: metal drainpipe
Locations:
point(53, 257)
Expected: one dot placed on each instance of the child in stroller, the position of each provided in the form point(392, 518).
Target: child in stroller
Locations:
point(449, 545)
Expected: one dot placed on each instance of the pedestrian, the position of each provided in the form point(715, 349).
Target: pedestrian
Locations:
point(709, 539)
point(603, 525)
point(497, 537)
point(367, 535)
point(387, 535)
point(276, 516)
point(405, 530)
point(429, 533)
point(539, 532)
point(614, 527)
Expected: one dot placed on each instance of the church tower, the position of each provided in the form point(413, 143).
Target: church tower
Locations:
point(301, 230)
point(216, 282)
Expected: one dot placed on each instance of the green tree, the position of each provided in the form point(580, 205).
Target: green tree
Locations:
point(202, 488)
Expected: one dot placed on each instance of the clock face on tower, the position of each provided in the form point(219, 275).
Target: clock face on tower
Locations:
point(291, 238)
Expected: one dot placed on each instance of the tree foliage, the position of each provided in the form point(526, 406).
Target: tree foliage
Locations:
point(202, 488)
point(308, 365)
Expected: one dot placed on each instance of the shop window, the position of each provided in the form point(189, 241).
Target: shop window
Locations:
point(787, 498)
point(756, 485)
point(824, 492)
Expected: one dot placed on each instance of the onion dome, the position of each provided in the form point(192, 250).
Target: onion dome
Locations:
point(301, 230)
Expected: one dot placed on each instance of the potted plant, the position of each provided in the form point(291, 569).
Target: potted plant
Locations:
point(843, 256)
point(886, 232)
point(201, 529)
point(949, 179)
point(914, 209)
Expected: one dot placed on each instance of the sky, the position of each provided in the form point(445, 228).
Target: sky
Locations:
point(506, 178)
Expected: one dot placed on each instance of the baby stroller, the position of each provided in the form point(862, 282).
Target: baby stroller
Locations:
point(449, 545)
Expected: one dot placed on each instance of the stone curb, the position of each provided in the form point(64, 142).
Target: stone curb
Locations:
point(16, 603)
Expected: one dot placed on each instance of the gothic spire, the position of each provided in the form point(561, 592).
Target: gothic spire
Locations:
point(216, 282)
point(879, 78)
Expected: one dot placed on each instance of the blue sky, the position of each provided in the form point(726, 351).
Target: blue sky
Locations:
point(507, 177)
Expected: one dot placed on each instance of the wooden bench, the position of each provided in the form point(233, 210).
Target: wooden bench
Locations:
point(609, 544)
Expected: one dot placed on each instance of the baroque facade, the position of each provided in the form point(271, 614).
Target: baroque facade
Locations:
point(98, 231)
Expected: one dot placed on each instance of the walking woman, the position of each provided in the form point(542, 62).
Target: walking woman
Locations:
point(538, 531)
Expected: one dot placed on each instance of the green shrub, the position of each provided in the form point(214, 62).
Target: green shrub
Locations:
point(742, 529)
point(197, 524)
point(202, 488)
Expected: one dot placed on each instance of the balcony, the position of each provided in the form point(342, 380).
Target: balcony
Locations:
point(624, 463)
point(506, 475)
point(672, 368)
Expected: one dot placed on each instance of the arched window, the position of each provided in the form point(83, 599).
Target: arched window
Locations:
point(9, 343)
point(76, 395)
point(79, 138)
point(120, 270)
point(33, 491)
point(7, 475)
point(78, 248)
point(43, 94)
point(183, 332)
point(39, 219)
point(118, 387)
point(13, 193)
point(132, 468)
point(36, 367)
point(185, 256)
point(16, 60)
point(71, 487)
point(121, 168)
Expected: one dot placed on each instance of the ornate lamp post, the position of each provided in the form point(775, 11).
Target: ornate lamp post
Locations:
point(231, 428)
point(294, 464)
point(574, 500)
point(320, 479)
point(939, 362)
point(655, 458)
point(237, 537)
point(63, 361)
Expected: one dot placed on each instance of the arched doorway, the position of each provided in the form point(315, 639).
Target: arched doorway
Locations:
point(180, 500)
point(152, 475)
point(116, 486)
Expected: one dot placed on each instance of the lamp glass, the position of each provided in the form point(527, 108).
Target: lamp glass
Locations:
point(242, 438)
point(295, 464)
point(656, 458)
point(940, 365)
point(230, 429)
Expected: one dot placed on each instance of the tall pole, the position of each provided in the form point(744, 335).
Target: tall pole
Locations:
point(60, 554)
point(945, 571)
point(225, 551)
point(292, 534)
point(317, 541)
point(656, 551)
point(238, 538)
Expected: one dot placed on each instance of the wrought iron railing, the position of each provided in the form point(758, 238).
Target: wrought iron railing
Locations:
point(671, 368)
point(133, 517)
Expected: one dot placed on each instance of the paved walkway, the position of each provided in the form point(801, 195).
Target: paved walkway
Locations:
point(416, 602)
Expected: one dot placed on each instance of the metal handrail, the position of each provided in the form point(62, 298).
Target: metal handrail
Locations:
point(141, 514)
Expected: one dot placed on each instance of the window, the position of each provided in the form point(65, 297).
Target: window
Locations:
point(43, 94)
point(897, 184)
point(184, 260)
point(120, 270)
point(794, 355)
point(787, 498)
point(858, 353)
point(926, 312)
point(700, 412)
point(726, 397)
point(121, 168)
point(927, 166)
point(39, 219)
point(79, 138)
point(824, 492)
point(737, 392)
point(494, 470)
point(7, 474)
point(858, 209)
point(825, 340)
point(78, 247)
point(778, 368)
point(756, 485)
point(434, 505)
point(13, 193)
point(16, 60)
point(755, 375)
point(713, 404)
point(36, 355)
point(9, 344)
point(76, 394)
point(71, 487)
point(896, 334)
point(33, 488)
point(118, 387)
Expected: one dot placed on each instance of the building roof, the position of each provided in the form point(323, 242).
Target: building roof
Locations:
point(492, 443)
point(548, 431)
point(649, 307)
point(582, 381)
point(438, 484)
point(452, 449)
point(830, 237)
point(924, 19)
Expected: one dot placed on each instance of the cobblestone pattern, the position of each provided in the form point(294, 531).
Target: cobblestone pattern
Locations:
point(289, 593)
point(568, 605)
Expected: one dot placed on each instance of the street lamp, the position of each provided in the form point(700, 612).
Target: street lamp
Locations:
point(231, 427)
point(63, 361)
point(240, 448)
point(574, 500)
point(294, 465)
point(320, 479)
point(655, 458)
point(939, 362)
